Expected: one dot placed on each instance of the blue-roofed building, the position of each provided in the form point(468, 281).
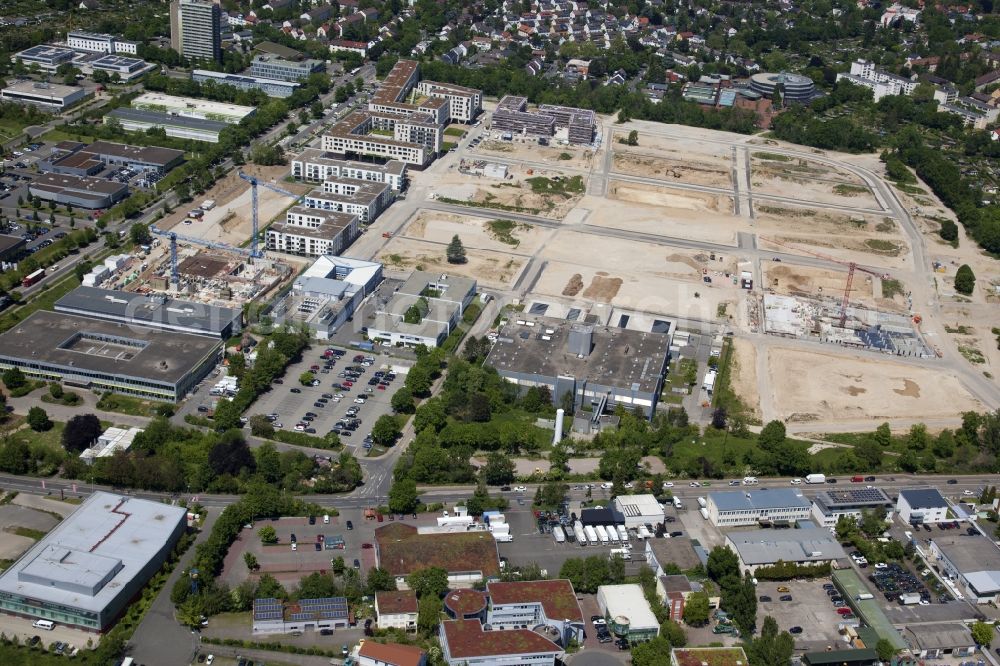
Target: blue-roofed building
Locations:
point(273, 616)
point(758, 506)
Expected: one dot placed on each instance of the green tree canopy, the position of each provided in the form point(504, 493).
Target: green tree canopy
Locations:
point(429, 582)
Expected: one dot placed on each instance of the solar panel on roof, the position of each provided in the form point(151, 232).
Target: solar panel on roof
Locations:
point(538, 308)
point(573, 314)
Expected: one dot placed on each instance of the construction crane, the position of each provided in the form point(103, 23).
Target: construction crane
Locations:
point(175, 276)
point(254, 182)
point(851, 267)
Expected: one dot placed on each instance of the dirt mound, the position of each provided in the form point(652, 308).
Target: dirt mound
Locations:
point(685, 259)
point(603, 288)
point(574, 285)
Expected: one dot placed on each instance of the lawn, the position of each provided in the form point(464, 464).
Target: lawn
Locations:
point(51, 438)
point(45, 300)
point(125, 404)
point(455, 131)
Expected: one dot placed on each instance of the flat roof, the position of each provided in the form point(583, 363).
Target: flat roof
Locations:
point(923, 498)
point(38, 88)
point(679, 550)
point(466, 639)
point(148, 154)
point(352, 271)
point(636, 506)
point(811, 544)
point(557, 597)
point(392, 654)
point(154, 310)
point(86, 560)
point(853, 498)
point(628, 600)
point(758, 499)
point(167, 119)
point(942, 635)
point(317, 156)
point(717, 656)
point(401, 550)
point(223, 77)
point(620, 358)
point(333, 224)
point(96, 188)
point(7, 242)
point(869, 610)
point(969, 553)
point(172, 102)
point(81, 343)
point(465, 601)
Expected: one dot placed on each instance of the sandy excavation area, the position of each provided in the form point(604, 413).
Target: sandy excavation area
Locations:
point(491, 268)
point(809, 282)
point(663, 197)
point(546, 193)
point(808, 181)
point(571, 157)
point(691, 170)
point(231, 220)
point(494, 234)
point(685, 146)
point(720, 227)
point(814, 386)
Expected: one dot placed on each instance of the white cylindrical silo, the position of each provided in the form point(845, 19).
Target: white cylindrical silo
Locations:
point(558, 432)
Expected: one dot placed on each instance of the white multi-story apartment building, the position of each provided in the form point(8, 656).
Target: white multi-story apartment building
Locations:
point(464, 104)
point(864, 73)
point(100, 43)
point(357, 197)
point(311, 232)
point(316, 166)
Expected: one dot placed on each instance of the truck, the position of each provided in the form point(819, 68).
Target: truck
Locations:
point(816, 478)
point(32, 278)
point(909, 598)
point(702, 503)
point(643, 532)
point(704, 512)
point(558, 534)
point(591, 534)
point(864, 596)
point(623, 553)
point(622, 534)
point(504, 538)
point(581, 535)
point(677, 503)
point(612, 533)
point(499, 528)
point(602, 534)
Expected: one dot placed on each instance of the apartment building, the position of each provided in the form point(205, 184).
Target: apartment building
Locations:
point(314, 165)
point(312, 232)
point(195, 29)
point(464, 104)
point(356, 197)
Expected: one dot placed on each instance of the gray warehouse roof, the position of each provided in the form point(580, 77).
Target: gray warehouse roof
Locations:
point(923, 498)
point(93, 345)
point(169, 119)
point(775, 498)
point(89, 557)
point(798, 545)
point(969, 553)
point(153, 311)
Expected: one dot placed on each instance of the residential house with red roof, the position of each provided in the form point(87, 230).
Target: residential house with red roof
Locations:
point(464, 642)
point(390, 654)
point(537, 604)
point(396, 609)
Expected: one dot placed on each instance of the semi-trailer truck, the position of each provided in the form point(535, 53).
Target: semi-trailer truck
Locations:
point(816, 478)
point(602, 534)
point(581, 536)
point(591, 534)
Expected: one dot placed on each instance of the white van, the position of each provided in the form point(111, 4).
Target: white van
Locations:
point(326, 519)
point(47, 625)
point(749, 480)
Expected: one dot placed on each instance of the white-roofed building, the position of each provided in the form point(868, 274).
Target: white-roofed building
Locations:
point(109, 442)
point(329, 292)
point(972, 562)
point(627, 612)
point(809, 545)
point(921, 505)
point(636, 510)
point(91, 565)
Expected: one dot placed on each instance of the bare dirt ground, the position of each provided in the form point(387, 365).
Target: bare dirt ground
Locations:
point(515, 192)
point(809, 181)
point(790, 280)
point(681, 170)
point(475, 232)
point(490, 268)
point(663, 197)
point(573, 157)
point(814, 386)
point(690, 222)
point(231, 220)
point(687, 145)
point(743, 377)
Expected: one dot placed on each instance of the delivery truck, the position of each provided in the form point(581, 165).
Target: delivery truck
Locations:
point(612, 533)
point(581, 535)
point(704, 512)
point(591, 535)
point(909, 599)
point(702, 503)
point(602, 534)
point(558, 534)
point(622, 534)
point(816, 478)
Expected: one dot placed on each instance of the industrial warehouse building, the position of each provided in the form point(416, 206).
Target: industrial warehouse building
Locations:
point(972, 562)
point(764, 506)
point(80, 191)
point(315, 165)
point(627, 612)
point(600, 366)
point(328, 293)
point(105, 356)
point(47, 96)
point(312, 232)
point(133, 120)
point(86, 571)
point(78, 159)
point(831, 505)
point(152, 311)
point(423, 311)
point(806, 545)
point(635, 510)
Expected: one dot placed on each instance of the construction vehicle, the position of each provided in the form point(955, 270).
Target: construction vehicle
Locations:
point(851, 267)
point(386, 234)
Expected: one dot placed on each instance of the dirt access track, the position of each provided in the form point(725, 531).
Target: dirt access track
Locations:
point(815, 386)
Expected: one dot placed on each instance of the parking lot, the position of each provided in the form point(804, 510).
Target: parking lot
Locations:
point(317, 409)
point(810, 608)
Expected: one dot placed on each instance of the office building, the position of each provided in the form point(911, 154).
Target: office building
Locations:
point(762, 548)
point(190, 107)
point(311, 232)
point(79, 191)
point(831, 505)
point(541, 603)
point(795, 88)
point(468, 557)
point(328, 294)
point(752, 507)
point(180, 127)
point(105, 356)
point(972, 563)
point(464, 104)
point(123, 67)
point(196, 29)
point(273, 616)
point(600, 366)
point(91, 566)
point(266, 66)
point(396, 610)
point(390, 654)
point(627, 612)
point(100, 43)
point(465, 643)
point(77, 159)
point(315, 166)
point(51, 97)
point(46, 57)
point(270, 87)
point(181, 117)
point(423, 311)
point(558, 122)
point(917, 506)
point(152, 311)
point(636, 510)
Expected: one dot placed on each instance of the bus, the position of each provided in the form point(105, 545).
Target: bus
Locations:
point(355, 71)
point(32, 278)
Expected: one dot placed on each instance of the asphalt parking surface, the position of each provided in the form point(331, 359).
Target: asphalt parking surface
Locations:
point(810, 608)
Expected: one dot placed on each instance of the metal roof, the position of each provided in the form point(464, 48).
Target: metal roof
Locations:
point(755, 500)
point(813, 544)
point(154, 311)
point(923, 498)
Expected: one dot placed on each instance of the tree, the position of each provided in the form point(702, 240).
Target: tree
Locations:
point(884, 650)
point(740, 601)
point(139, 234)
point(696, 610)
point(719, 418)
point(771, 648)
point(307, 378)
point(402, 401)
point(498, 470)
point(633, 138)
point(403, 496)
point(982, 632)
point(965, 280)
point(429, 582)
point(456, 251)
point(231, 455)
point(270, 588)
point(380, 580)
point(261, 427)
point(267, 534)
point(226, 416)
point(429, 614)
point(38, 420)
point(13, 378)
point(722, 563)
point(655, 652)
point(917, 438)
point(251, 561)
point(80, 432)
point(386, 430)
point(883, 436)
point(771, 435)
point(674, 633)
